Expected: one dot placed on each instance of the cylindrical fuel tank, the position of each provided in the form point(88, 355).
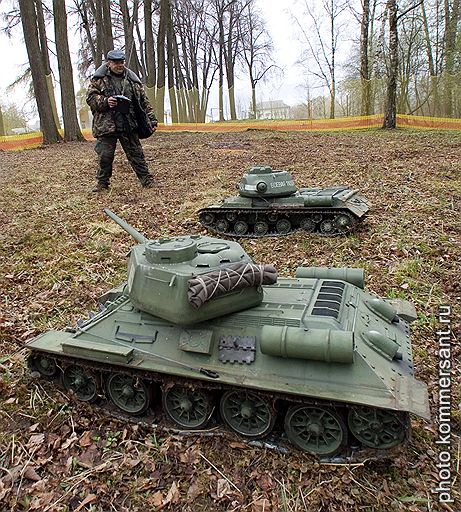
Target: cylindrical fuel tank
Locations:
point(355, 276)
point(312, 200)
point(311, 344)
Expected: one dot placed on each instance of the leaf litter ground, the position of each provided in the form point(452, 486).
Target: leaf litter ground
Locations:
point(59, 253)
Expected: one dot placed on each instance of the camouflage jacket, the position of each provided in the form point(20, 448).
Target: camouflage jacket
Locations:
point(105, 120)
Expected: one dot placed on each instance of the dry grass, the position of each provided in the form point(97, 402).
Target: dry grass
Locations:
point(59, 253)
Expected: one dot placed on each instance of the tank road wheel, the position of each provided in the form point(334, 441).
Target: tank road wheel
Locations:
point(248, 414)
point(128, 393)
point(283, 226)
point(343, 223)
point(307, 224)
point(317, 217)
point(231, 216)
point(378, 428)
point(222, 225)
point(81, 382)
point(327, 227)
point(188, 408)
point(207, 218)
point(44, 365)
point(272, 216)
point(315, 429)
point(240, 227)
point(261, 228)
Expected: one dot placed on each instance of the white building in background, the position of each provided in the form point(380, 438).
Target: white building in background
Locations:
point(274, 109)
point(34, 125)
point(21, 130)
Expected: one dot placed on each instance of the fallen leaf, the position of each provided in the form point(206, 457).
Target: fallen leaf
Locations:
point(132, 462)
point(193, 492)
point(12, 475)
point(31, 474)
point(35, 440)
point(265, 482)
point(89, 499)
point(190, 456)
point(156, 499)
point(70, 441)
point(90, 455)
point(262, 505)
point(223, 488)
point(173, 494)
point(85, 440)
point(236, 445)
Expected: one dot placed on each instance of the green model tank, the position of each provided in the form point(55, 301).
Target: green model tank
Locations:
point(198, 328)
point(269, 204)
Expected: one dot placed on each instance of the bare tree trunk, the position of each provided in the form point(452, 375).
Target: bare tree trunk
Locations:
point(107, 38)
point(46, 58)
point(188, 97)
point(84, 16)
point(451, 31)
point(102, 22)
point(98, 21)
point(229, 52)
point(128, 25)
point(69, 111)
point(195, 43)
point(364, 61)
point(322, 51)
point(45, 110)
point(161, 37)
point(2, 124)
point(221, 72)
point(430, 60)
point(253, 101)
point(256, 48)
point(149, 52)
point(221, 90)
point(332, 66)
point(179, 83)
point(169, 64)
point(390, 110)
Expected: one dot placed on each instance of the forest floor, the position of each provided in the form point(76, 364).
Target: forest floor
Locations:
point(59, 252)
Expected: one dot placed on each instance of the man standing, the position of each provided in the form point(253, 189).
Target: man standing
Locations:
point(111, 94)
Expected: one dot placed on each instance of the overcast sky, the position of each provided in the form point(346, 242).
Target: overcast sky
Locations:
point(287, 86)
point(286, 53)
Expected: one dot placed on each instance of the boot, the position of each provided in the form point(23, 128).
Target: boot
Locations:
point(101, 186)
point(148, 182)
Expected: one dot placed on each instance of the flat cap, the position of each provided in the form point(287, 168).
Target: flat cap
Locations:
point(115, 55)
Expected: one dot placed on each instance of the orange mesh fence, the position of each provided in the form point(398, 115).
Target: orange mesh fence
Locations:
point(32, 140)
point(343, 123)
point(428, 123)
point(17, 142)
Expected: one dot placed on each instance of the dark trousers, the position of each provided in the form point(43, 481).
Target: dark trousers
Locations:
point(105, 148)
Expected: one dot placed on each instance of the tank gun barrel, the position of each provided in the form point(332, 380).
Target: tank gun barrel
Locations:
point(124, 225)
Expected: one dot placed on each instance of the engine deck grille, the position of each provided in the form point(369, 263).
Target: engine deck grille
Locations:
point(329, 298)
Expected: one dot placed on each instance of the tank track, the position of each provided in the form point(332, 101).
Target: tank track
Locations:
point(259, 222)
point(159, 384)
point(276, 441)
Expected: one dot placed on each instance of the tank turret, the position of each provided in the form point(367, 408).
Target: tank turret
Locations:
point(199, 328)
point(176, 278)
point(262, 181)
point(270, 204)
